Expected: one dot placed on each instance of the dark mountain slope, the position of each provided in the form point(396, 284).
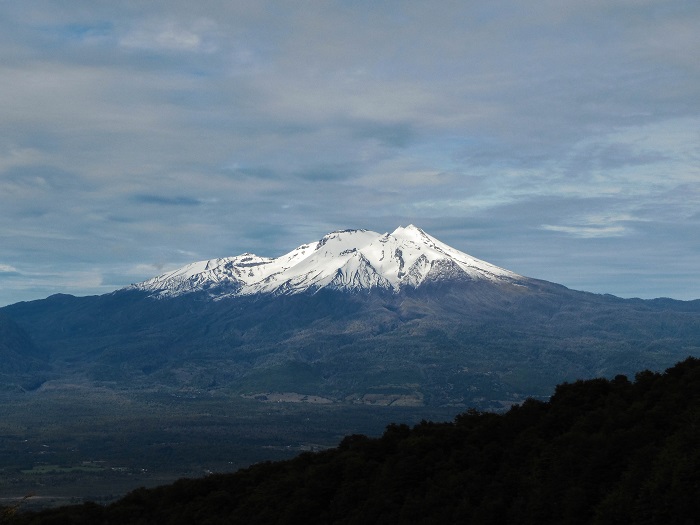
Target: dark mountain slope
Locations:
point(22, 367)
point(475, 344)
point(600, 451)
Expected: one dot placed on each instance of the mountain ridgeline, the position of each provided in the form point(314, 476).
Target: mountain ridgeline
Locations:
point(357, 317)
point(598, 452)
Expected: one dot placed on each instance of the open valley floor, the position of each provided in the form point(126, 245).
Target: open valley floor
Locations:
point(77, 443)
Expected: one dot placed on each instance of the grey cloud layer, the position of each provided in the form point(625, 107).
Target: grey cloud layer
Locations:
point(137, 136)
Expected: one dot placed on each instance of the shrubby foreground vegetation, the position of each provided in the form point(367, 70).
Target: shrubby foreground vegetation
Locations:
point(600, 451)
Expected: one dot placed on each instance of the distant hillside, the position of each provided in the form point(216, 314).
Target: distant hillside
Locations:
point(21, 366)
point(600, 451)
point(464, 345)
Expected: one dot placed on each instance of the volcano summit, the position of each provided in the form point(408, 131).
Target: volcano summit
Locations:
point(348, 260)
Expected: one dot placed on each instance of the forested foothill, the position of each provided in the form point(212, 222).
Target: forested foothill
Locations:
point(599, 451)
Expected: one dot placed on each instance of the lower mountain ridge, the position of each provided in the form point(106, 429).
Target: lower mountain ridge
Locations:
point(469, 344)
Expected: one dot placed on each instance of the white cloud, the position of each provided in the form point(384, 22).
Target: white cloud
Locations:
point(588, 231)
point(172, 36)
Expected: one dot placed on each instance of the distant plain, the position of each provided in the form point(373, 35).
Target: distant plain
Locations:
point(73, 444)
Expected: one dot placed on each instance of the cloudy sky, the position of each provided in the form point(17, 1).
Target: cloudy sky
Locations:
point(557, 138)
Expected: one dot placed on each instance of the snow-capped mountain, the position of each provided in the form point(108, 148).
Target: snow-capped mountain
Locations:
point(348, 260)
point(472, 334)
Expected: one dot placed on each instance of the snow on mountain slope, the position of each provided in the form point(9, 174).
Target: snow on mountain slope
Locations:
point(349, 260)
